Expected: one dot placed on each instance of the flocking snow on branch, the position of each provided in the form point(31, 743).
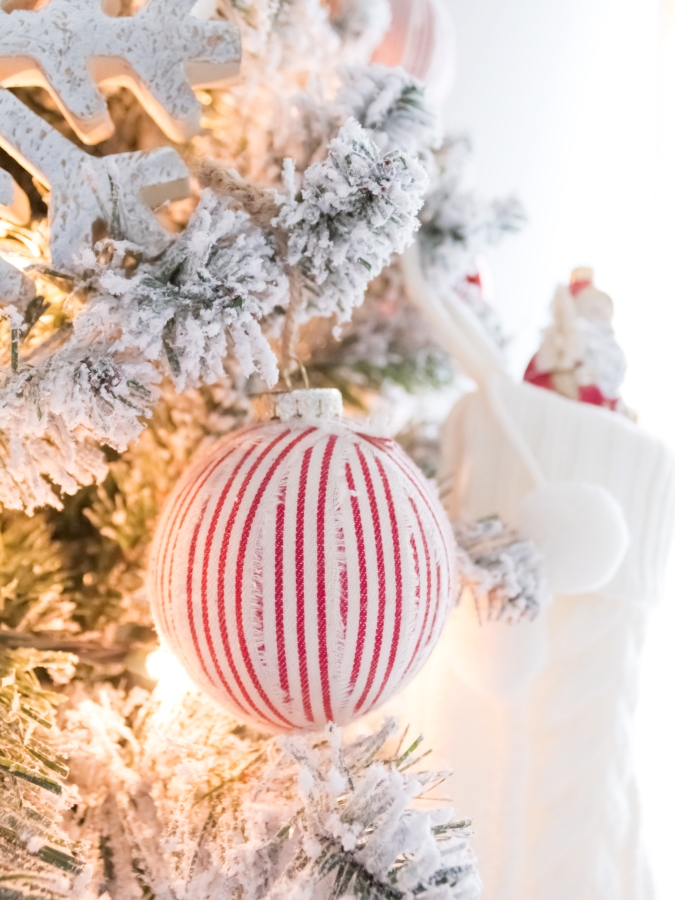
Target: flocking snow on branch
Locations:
point(177, 316)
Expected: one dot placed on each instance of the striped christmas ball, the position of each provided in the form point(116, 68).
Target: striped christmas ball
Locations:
point(421, 38)
point(302, 572)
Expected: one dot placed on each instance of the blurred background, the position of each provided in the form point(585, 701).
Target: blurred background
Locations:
point(572, 107)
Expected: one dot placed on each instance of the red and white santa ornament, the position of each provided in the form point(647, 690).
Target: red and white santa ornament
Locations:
point(579, 356)
point(303, 569)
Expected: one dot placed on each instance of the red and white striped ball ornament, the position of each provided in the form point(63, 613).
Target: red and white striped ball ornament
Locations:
point(421, 38)
point(302, 571)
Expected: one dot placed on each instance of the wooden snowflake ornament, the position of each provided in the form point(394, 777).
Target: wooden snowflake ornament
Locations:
point(119, 191)
point(164, 51)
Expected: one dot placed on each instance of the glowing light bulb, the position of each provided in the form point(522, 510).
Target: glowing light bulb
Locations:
point(164, 668)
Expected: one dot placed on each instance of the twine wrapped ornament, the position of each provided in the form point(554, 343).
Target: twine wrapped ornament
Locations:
point(302, 571)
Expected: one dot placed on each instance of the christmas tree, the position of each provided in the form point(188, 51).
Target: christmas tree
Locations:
point(202, 203)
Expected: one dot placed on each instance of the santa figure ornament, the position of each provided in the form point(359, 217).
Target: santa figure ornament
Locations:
point(579, 356)
point(302, 571)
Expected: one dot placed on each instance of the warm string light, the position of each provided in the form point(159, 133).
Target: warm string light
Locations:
point(22, 246)
point(163, 668)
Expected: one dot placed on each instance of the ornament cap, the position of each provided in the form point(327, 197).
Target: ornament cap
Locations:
point(316, 403)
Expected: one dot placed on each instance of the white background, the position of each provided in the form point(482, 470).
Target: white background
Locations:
point(571, 105)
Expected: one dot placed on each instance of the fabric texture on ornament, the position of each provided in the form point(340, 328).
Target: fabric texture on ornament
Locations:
point(542, 759)
point(302, 572)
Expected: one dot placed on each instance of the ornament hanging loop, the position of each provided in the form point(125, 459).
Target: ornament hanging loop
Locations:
point(289, 335)
point(286, 374)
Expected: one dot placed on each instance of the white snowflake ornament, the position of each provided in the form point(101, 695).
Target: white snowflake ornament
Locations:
point(119, 191)
point(164, 51)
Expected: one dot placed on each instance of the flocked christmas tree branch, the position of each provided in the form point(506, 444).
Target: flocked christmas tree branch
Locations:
point(37, 859)
point(233, 813)
point(104, 379)
point(174, 317)
point(182, 802)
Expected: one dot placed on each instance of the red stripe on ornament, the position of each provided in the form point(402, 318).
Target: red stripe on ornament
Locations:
point(321, 577)
point(381, 577)
point(190, 607)
point(205, 573)
point(438, 604)
point(418, 597)
point(396, 455)
point(178, 510)
point(300, 585)
point(342, 577)
point(363, 576)
point(239, 576)
point(398, 579)
point(406, 465)
point(189, 492)
point(162, 609)
point(220, 583)
point(279, 591)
